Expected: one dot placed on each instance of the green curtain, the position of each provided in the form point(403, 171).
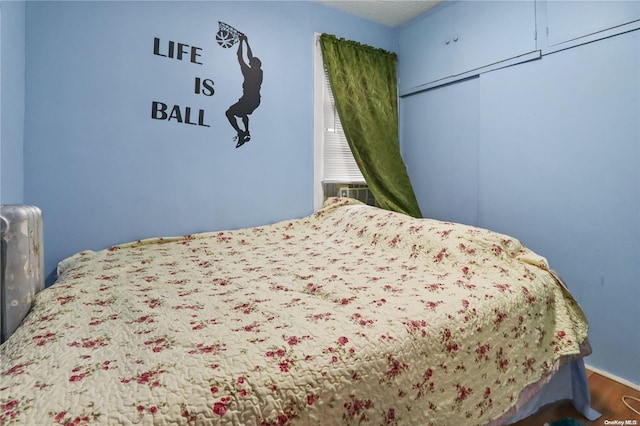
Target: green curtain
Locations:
point(364, 86)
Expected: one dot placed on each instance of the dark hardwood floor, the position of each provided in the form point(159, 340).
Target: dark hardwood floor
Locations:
point(606, 398)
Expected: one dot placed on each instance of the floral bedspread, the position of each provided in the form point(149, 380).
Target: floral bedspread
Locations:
point(354, 315)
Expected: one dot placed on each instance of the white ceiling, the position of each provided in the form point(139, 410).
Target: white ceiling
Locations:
point(391, 13)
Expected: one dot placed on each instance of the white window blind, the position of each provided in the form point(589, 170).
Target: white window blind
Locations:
point(339, 165)
point(334, 169)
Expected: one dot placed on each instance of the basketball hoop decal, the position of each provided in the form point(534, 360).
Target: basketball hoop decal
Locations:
point(227, 36)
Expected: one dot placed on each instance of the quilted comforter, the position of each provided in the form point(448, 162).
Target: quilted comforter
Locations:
point(353, 315)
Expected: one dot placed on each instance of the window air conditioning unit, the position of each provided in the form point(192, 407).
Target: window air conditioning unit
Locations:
point(358, 192)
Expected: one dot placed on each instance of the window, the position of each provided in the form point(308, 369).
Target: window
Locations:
point(335, 170)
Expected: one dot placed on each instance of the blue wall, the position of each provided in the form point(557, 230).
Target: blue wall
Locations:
point(104, 172)
point(12, 102)
point(549, 152)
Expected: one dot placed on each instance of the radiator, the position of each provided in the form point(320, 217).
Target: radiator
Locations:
point(21, 264)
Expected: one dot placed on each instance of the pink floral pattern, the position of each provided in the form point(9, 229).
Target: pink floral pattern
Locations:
point(354, 315)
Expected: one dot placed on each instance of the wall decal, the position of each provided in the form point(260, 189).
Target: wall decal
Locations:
point(250, 66)
point(181, 51)
point(227, 36)
point(238, 113)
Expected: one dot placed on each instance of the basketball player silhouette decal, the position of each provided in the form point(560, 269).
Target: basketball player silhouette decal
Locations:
point(250, 66)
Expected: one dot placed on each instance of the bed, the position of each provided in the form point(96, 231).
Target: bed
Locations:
point(353, 315)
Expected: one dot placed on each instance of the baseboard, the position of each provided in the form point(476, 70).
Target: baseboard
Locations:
point(613, 377)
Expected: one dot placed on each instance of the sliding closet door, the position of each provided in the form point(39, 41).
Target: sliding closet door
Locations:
point(439, 140)
point(559, 147)
point(560, 170)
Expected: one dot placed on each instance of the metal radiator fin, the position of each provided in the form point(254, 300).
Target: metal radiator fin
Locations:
point(21, 264)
